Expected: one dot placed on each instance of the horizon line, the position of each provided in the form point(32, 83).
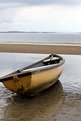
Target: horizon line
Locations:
point(35, 32)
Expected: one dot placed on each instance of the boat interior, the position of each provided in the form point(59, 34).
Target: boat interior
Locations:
point(51, 59)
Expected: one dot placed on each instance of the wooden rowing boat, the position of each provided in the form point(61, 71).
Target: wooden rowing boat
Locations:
point(35, 77)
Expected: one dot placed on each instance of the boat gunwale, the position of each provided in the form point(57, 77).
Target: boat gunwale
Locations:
point(31, 71)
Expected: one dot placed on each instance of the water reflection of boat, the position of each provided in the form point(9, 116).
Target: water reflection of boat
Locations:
point(42, 107)
point(35, 77)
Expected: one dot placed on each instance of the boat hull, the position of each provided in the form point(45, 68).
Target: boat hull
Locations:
point(34, 82)
point(35, 77)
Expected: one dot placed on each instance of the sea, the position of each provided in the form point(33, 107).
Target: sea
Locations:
point(44, 38)
point(62, 101)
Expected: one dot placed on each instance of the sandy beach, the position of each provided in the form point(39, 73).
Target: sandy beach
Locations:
point(42, 49)
point(61, 102)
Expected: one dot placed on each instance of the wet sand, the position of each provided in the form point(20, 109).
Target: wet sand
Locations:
point(42, 49)
point(61, 102)
point(42, 107)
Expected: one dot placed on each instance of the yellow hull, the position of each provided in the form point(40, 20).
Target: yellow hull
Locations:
point(33, 82)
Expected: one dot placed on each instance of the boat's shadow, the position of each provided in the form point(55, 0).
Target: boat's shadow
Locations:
point(40, 107)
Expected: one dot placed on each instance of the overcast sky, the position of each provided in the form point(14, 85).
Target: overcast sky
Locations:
point(40, 15)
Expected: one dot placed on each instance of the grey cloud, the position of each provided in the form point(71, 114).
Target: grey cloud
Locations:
point(7, 14)
point(42, 2)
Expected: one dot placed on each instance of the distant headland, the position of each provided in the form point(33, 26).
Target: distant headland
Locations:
point(24, 32)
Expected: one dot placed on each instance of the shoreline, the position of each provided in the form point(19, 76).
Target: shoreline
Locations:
point(74, 49)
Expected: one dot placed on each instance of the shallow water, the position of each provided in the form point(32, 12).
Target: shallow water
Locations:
point(61, 102)
point(67, 38)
